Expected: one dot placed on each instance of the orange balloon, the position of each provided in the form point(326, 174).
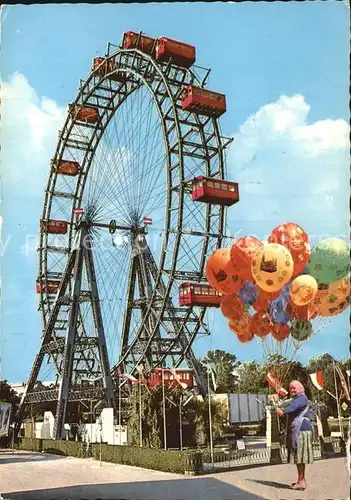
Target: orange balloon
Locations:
point(242, 253)
point(334, 298)
point(280, 332)
point(244, 338)
point(290, 235)
point(216, 269)
point(241, 325)
point(232, 307)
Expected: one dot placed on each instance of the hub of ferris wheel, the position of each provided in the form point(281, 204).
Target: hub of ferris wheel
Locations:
point(134, 205)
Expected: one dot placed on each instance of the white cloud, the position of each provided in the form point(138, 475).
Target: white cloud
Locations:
point(291, 170)
point(28, 135)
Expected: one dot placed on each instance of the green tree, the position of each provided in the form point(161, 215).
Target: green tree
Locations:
point(225, 367)
point(251, 378)
point(325, 362)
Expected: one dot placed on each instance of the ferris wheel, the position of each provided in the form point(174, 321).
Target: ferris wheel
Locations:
point(134, 205)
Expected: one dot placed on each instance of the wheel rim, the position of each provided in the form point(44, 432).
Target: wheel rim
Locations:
point(191, 146)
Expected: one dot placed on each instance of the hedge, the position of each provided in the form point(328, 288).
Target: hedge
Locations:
point(148, 458)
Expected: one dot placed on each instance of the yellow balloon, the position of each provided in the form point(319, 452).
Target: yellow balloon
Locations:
point(334, 298)
point(272, 267)
point(303, 289)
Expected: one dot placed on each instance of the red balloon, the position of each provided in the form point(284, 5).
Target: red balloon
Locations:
point(290, 235)
point(306, 312)
point(245, 337)
point(280, 332)
point(261, 325)
point(241, 325)
point(301, 259)
point(264, 298)
point(232, 307)
point(242, 253)
point(234, 281)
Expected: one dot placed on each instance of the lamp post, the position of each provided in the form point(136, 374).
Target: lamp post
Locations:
point(210, 415)
point(99, 421)
point(164, 411)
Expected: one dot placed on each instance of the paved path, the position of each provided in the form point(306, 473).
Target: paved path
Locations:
point(34, 476)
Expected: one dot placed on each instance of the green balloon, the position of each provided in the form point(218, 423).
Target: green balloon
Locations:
point(301, 329)
point(330, 261)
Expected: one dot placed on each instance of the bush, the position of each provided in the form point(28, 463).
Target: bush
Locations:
point(167, 461)
point(31, 444)
point(148, 458)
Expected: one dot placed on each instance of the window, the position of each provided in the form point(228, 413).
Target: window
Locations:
point(197, 290)
point(210, 184)
point(224, 186)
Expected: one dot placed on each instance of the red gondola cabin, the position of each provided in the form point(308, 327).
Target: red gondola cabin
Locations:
point(204, 102)
point(194, 294)
point(67, 167)
point(102, 67)
point(49, 286)
point(133, 40)
point(88, 114)
point(185, 376)
point(53, 226)
point(182, 54)
point(215, 191)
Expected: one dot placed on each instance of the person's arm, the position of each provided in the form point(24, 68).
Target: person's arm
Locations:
point(296, 404)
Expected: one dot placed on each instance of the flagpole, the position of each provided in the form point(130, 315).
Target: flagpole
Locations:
point(119, 408)
point(180, 423)
point(337, 400)
point(210, 415)
point(140, 418)
point(164, 411)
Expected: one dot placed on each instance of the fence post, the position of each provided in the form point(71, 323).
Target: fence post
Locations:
point(324, 431)
point(273, 436)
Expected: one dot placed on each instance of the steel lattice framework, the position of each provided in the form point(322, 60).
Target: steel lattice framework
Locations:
point(117, 293)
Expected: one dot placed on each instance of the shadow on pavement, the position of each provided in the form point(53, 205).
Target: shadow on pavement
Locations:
point(174, 489)
point(13, 458)
point(274, 484)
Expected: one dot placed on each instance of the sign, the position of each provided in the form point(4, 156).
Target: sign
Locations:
point(240, 444)
point(5, 413)
point(344, 406)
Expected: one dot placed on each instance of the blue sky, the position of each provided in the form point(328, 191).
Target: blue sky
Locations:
point(284, 70)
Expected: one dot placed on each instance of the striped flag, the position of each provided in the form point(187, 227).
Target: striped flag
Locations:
point(317, 379)
point(129, 377)
point(274, 382)
point(147, 221)
point(78, 211)
point(176, 378)
point(343, 383)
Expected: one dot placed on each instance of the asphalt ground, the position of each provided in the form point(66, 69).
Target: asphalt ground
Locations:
point(36, 476)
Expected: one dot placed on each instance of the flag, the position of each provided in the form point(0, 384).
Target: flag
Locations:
point(274, 382)
point(211, 369)
point(317, 379)
point(343, 383)
point(130, 378)
point(147, 221)
point(78, 211)
point(183, 385)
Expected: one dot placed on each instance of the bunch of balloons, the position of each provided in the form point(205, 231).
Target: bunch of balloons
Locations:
point(277, 287)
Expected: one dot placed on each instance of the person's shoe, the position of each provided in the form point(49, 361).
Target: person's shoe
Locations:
point(299, 485)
